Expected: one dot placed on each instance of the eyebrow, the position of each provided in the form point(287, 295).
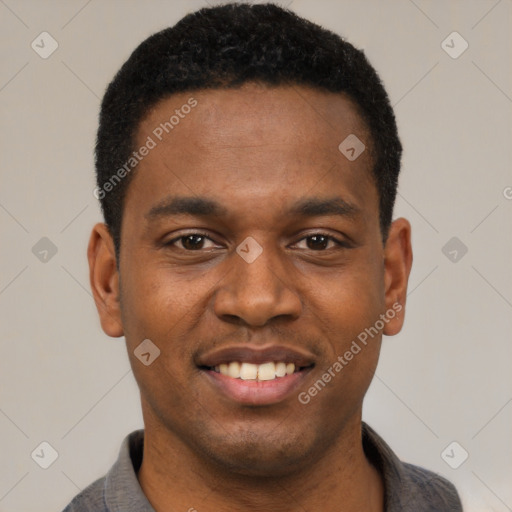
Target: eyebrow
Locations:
point(200, 206)
point(203, 206)
point(315, 207)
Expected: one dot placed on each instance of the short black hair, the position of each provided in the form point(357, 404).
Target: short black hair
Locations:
point(224, 47)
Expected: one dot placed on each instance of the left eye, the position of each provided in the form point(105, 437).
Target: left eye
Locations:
point(320, 242)
point(192, 242)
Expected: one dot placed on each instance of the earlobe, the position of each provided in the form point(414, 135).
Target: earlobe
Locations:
point(397, 267)
point(104, 280)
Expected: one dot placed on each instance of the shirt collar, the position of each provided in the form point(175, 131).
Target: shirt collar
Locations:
point(123, 492)
point(392, 470)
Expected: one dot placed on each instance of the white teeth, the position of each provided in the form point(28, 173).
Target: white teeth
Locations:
point(249, 371)
point(234, 370)
point(266, 371)
point(280, 369)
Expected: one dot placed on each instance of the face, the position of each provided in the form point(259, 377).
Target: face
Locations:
point(251, 244)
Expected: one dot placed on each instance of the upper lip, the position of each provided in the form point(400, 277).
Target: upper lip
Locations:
point(256, 355)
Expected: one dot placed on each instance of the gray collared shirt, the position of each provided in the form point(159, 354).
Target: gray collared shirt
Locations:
point(407, 487)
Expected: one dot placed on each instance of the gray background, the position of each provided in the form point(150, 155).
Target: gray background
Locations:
point(445, 378)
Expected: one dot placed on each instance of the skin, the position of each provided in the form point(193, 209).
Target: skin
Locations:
point(256, 151)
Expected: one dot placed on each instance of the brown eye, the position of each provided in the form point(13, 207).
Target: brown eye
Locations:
point(321, 242)
point(192, 242)
point(317, 242)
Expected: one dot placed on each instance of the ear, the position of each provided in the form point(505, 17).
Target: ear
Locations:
point(397, 267)
point(104, 279)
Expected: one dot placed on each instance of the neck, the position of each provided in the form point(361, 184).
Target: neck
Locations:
point(174, 477)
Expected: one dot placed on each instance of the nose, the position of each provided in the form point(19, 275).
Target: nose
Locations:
point(257, 292)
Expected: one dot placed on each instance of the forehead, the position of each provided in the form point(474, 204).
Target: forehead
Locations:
point(254, 141)
point(265, 114)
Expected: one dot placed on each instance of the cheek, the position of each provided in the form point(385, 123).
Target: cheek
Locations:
point(158, 307)
point(348, 307)
point(163, 306)
point(348, 315)
point(354, 344)
point(154, 301)
point(350, 301)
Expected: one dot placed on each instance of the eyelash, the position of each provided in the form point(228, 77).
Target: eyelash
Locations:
point(170, 243)
point(339, 243)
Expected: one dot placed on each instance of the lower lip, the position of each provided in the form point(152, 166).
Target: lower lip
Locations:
point(253, 392)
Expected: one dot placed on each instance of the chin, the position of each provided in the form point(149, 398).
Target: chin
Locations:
point(259, 454)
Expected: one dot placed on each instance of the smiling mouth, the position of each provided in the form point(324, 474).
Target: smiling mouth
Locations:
point(256, 372)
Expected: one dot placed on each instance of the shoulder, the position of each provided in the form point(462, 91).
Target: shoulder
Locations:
point(91, 499)
point(408, 487)
point(429, 489)
point(119, 489)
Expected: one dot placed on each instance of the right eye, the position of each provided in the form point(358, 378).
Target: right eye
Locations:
point(191, 242)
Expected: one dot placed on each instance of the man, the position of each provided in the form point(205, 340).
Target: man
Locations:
point(247, 164)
